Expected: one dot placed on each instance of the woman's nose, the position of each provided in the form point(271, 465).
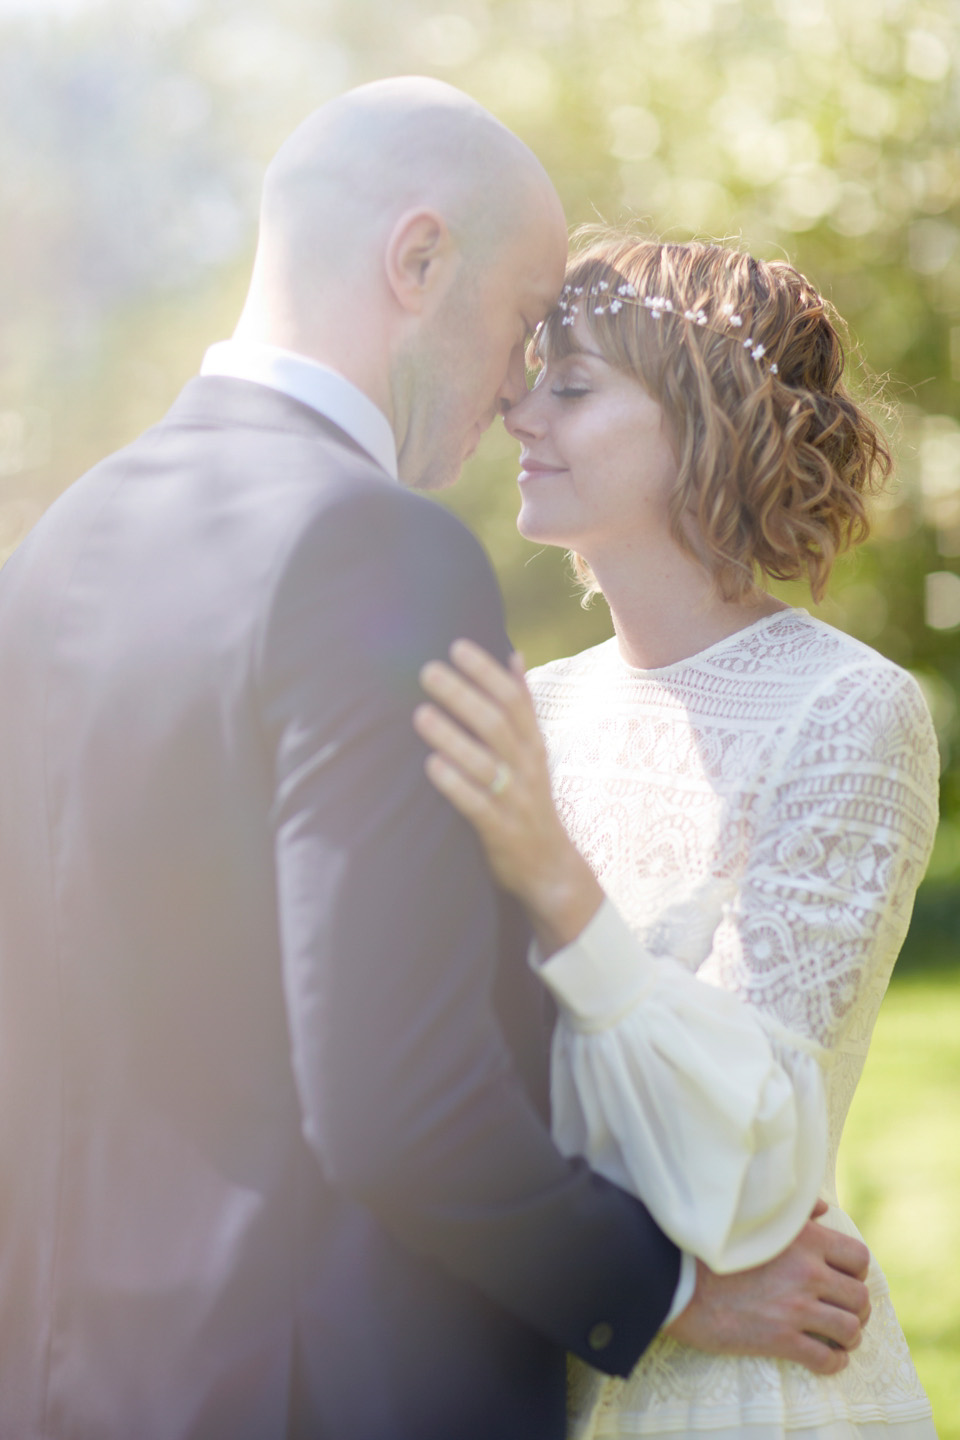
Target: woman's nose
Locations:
point(521, 419)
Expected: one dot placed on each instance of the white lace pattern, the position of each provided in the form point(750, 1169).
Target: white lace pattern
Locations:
point(792, 771)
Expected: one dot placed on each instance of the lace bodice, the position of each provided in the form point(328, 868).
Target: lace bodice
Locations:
point(761, 814)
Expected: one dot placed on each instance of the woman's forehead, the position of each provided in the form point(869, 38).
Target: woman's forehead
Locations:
point(555, 341)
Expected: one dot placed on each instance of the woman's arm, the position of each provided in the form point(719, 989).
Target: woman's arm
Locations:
point(710, 1107)
point(670, 1087)
point(837, 855)
point(489, 760)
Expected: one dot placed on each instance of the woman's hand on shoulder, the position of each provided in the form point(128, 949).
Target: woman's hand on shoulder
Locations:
point(488, 759)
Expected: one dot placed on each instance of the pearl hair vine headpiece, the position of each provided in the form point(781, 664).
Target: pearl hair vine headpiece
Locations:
point(613, 299)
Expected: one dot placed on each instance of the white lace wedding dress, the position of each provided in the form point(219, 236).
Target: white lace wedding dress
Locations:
point(760, 816)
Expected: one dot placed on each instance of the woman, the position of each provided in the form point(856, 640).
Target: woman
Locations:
point(745, 797)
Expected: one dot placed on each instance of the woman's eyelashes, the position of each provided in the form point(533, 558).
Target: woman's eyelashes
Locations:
point(567, 389)
point(561, 383)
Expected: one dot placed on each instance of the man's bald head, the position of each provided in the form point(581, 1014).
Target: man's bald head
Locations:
point(353, 167)
point(410, 241)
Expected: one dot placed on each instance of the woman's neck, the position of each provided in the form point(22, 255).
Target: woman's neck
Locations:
point(665, 609)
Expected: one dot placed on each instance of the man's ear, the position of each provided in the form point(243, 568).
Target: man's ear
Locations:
point(419, 257)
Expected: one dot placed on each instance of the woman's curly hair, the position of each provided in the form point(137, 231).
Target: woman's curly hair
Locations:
point(773, 463)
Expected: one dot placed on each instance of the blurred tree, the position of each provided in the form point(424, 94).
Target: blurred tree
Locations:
point(132, 140)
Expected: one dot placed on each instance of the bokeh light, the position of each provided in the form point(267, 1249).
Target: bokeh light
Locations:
point(133, 138)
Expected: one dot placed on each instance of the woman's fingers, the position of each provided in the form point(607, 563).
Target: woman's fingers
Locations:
point(455, 745)
point(475, 803)
point(492, 700)
point(488, 760)
point(506, 684)
point(486, 672)
point(485, 717)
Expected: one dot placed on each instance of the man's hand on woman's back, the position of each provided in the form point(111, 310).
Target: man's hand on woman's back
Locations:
point(808, 1304)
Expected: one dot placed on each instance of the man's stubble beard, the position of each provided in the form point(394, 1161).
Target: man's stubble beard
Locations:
point(430, 456)
point(427, 377)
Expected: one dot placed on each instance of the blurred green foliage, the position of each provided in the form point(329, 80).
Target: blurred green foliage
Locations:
point(899, 1172)
point(133, 138)
point(132, 143)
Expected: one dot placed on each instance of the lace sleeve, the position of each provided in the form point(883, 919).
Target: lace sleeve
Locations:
point(707, 1099)
point(839, 852)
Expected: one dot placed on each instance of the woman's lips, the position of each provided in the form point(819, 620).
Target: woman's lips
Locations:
point(530, 469)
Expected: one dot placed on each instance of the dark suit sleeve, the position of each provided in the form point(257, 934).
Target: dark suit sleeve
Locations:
point(389, 925)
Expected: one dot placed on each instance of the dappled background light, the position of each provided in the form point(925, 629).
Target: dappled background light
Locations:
point(133, 138)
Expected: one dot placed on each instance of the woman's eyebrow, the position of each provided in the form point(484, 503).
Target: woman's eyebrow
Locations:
point(575, 350)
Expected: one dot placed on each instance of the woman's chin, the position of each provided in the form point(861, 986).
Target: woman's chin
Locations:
point(539, 530)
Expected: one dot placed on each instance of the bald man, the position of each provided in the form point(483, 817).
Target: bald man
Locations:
point(274, 1153)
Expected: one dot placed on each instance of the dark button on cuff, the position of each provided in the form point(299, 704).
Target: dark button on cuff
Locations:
point(600, 1336)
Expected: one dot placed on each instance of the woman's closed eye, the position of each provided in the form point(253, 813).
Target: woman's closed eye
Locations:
point(570, 392)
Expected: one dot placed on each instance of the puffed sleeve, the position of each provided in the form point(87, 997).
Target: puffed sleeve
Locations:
point(703, 1092)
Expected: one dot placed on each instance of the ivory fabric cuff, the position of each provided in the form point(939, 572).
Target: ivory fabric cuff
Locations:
point(601, 975)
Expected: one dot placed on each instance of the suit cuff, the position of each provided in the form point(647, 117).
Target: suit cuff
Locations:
point(686, 1284)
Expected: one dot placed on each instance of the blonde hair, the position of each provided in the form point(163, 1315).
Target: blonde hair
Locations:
point(774, 456)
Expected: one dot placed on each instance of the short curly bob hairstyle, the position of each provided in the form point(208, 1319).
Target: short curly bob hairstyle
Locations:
point(773, 463)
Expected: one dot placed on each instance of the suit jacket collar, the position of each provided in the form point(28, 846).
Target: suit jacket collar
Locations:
point(218, 402)
point(321, 386)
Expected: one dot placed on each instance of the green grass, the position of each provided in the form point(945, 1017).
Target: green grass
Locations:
point(899, 1174)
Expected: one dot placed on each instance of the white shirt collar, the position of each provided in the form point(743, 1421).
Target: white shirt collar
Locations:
point(323, 389)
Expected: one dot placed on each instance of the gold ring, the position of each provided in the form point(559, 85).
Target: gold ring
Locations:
point(501, 778)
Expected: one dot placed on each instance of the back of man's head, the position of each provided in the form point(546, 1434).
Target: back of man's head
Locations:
point(338, 184)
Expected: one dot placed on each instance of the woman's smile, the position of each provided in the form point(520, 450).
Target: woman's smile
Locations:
point(594, 427)
point(531, 469)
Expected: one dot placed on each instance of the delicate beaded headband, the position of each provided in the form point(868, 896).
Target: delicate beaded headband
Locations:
point(657, 305)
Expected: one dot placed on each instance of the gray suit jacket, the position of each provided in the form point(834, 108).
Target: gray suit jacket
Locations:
point(271, 1161)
